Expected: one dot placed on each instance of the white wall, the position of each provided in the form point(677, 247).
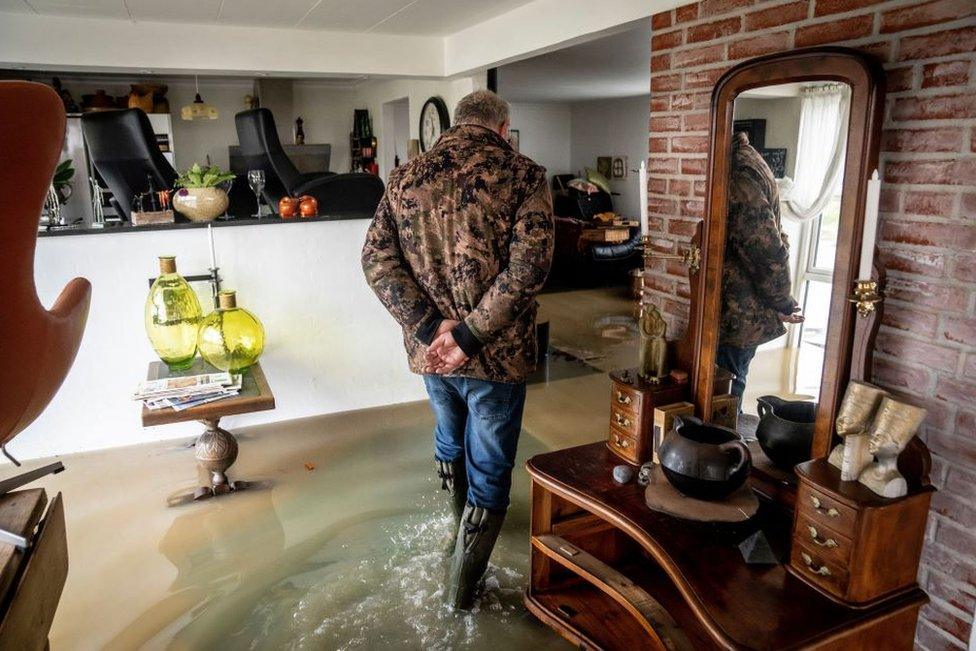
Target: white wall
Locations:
point(782, 115)
point(544, 134)
point(542, 26)
point(567, 138)
point(329, 111)
point(330, 344)
point(612, 127)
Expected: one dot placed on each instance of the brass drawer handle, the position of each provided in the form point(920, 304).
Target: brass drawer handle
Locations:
point(822, 570)
point(619, 442)
point(623, 398)
point(818, 505)
point(621, 420)
point(829, 543)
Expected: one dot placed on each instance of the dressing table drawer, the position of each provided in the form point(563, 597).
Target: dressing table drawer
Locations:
point(625, 399)
point(830, 544)
point(625, 421)
point(624, 445)
point(814, 566)
point(632, 403)
point(824, 510)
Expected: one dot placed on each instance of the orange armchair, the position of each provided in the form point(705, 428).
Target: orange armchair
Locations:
point(37, 346)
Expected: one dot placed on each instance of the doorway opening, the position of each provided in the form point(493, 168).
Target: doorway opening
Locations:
point(582, 112)
point(396, 132)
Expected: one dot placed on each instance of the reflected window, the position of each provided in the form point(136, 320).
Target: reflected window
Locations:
point(814, 283)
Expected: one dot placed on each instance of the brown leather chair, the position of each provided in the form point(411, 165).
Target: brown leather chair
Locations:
point(37, 346)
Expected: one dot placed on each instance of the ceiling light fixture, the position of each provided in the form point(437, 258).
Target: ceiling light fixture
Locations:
point(199, 110)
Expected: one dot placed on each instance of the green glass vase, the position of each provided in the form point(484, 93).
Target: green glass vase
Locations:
point(230, 337)
point(173, 317)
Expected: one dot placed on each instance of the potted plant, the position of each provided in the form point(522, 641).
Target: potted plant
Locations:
point(200, 196)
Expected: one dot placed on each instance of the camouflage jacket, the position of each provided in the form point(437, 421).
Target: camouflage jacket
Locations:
point(756, 275)
point(465, 232)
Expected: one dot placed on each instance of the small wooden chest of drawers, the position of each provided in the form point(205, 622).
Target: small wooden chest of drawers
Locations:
point(632, 403)
point(852, 544)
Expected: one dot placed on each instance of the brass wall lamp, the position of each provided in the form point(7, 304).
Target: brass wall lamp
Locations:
point(691, 257)
point(866, 296)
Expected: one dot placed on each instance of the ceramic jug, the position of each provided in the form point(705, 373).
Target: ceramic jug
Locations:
point(704, 461)
point(785, 430)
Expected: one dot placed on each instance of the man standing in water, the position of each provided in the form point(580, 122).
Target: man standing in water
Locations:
point(460, 245)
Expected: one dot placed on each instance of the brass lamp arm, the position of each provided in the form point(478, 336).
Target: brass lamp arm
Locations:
point(691, 257)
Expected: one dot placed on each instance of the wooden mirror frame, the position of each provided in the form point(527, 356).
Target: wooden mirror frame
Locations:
point(866, 80)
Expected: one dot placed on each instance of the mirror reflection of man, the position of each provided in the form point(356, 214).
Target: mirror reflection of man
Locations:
point(459, 247)
point(756, 287)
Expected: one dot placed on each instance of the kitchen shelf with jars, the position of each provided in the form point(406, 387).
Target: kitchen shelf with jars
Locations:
point(363, 144)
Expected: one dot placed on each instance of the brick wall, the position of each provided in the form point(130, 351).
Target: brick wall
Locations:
point(928, 226)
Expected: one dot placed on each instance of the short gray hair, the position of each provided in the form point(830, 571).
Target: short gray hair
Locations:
point(481, 107)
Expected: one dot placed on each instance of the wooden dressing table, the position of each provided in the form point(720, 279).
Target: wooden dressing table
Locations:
point(607, 572)
point(694, 570)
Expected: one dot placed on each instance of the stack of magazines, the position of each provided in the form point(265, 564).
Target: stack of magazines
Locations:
point(181, 393)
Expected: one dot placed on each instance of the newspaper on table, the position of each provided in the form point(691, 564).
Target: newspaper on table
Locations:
point(180, 393)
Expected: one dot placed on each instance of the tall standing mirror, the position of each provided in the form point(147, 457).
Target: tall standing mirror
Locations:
point(794, 143)
point(785, 185)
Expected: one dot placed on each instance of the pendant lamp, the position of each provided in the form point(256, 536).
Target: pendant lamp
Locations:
point(198, 110)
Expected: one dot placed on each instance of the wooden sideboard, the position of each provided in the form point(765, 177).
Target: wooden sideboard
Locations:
point(31, 580)
point(609, 573)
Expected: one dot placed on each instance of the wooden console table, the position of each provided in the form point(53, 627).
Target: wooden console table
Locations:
point(216, 448)
point(609, 573)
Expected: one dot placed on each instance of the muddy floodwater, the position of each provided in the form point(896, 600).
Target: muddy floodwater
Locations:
point(340, 544)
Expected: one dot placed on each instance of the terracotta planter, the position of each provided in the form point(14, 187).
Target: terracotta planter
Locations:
point(200, 204)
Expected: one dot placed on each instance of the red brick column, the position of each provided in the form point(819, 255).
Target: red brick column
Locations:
point(928, 224)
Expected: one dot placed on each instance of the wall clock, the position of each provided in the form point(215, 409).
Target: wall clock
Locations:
point(434, 120)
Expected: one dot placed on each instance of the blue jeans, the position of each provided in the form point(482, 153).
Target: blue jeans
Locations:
point(736, 361)
point(480, 421)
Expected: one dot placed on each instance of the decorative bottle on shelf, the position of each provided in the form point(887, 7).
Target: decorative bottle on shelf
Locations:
point(230, 337)
point(172, 317)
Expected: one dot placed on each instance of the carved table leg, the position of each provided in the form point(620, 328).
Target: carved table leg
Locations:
point(216, 451)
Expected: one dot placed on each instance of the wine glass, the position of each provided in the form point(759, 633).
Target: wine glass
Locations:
point(255, 178)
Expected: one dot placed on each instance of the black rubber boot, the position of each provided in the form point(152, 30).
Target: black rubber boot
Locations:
point(454, 479)
point(475, 539)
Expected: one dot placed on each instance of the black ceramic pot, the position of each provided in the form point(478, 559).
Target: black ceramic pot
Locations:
point(704, 461)
point(785, 430)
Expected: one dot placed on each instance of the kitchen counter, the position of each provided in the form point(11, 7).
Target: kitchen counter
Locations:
point(127, 227)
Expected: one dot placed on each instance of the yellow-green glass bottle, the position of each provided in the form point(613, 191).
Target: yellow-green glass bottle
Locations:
point(173, 317)
point(230, 337)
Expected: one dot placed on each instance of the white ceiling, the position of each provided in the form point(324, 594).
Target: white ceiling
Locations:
point(409, 17)
point(617, 65)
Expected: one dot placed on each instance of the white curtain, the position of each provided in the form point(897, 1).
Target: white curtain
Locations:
point(821, 146)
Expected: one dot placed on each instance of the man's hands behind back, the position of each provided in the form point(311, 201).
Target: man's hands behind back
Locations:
point(444, 355)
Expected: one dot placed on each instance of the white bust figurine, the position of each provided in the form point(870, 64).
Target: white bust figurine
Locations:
point(860, 404)
point(892, 429)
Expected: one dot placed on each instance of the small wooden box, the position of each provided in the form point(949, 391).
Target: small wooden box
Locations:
point(632, 403)
point(664, 422)
point(149, 218)
point(854, 545)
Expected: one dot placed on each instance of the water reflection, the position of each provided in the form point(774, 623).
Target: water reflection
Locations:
point(336, 564)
